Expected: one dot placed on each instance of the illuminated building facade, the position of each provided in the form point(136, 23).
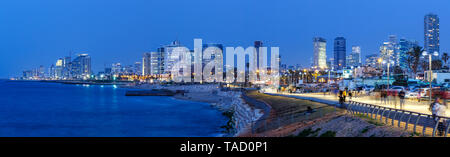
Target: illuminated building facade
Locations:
point(320, 52)
point(340, 51)
point(431, 34)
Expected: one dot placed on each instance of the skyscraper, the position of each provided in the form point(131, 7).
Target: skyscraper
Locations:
point(372, 60)
point(169, 58)
point(116, 69)
point(137, 68)
point(146, 66)
point(156, 62)
point(431, 34)
point(404, 47)
point(389, 51)
point(51, 72)
point(205, 46)
point(339, 52)
point(67, 63)
point(354, 59)
point(320, 52)
point(81, 67)
point(59, 69)
point(257, 45)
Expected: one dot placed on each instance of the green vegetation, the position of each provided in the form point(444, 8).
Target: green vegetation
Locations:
point(415, 134)
point(329, 134)
point(369, 120)
point(230, 124)
point(365, 130)
point(309, 133)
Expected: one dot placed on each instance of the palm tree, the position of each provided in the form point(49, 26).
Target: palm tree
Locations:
point(414, 55)
point(445, 58)
point(409, 62)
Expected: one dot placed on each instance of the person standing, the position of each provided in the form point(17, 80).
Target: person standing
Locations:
point(394, 97)
point(350, 94)
point(438, 110)
point(401, 95)
point(384, 96)
point(341, 97)
point(344, 94)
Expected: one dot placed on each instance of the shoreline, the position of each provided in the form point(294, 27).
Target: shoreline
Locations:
point(241, 115)
point(230, 103)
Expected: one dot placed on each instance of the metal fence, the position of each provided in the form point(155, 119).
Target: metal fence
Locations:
point(419, 123)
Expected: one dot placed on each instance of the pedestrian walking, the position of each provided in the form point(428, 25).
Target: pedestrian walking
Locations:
point(394, 98)
point(344, 94)
point(341, 97)
point(350, 94)
point(438, 109)
point(401, 96)
point(384, 96)
point(418, 96)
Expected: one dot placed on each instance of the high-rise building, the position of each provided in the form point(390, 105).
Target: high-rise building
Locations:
point(389, 51)
point(372, 60)
point(27, 74)
point(257, 45)
point(41, 72)
point(404, 47)
point(153, 62)
point(59, 69)
point(116, 69)
point(219, 46)
point(146, 66)
point(156, 62)
point(137, 68)
point(81, 67)
point(51, 71)
point(330, 62)
point(169, 59)
point(339, 52)
point(128, 70)
point(67, 67)
point(354, 59)
point(320, 52)
point(431, 34)
point(356, 50)
point(218, 50)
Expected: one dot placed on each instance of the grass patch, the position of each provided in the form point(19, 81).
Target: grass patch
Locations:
point(369, 120)
point(415, 134)
point(329, 134)
point(309, 133)
point(230, 124)
point(365, 130)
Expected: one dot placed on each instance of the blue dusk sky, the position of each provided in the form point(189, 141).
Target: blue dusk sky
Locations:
point(38, 32)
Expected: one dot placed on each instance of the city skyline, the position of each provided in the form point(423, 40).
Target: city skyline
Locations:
point(26, 47)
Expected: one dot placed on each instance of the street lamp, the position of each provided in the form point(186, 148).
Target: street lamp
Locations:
point(425, 53)
point(328, 81)
point(388, 71)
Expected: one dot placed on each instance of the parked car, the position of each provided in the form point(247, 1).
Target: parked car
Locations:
point(397, 89)
point(412, 94)
point(369, 88)
point(444, 93)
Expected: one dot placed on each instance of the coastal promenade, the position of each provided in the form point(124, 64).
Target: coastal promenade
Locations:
point(410, 105)
point(290, 116)
point(285, 114)
point(419, 123)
